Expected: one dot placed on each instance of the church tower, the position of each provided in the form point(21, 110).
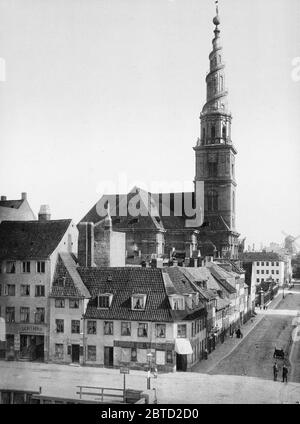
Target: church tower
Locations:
point(215, 159)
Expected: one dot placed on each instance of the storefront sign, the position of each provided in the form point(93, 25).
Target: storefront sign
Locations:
point(31, 329)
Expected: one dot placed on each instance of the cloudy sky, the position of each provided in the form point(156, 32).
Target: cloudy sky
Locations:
point(108, 90)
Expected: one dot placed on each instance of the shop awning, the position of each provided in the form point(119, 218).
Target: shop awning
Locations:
point(183, 347)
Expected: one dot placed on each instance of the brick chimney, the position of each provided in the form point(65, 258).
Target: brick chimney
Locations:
point(23, 196)
point(3, 198)
point(86, 244)
point(44, 213)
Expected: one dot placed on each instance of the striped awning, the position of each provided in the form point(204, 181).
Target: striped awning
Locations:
point(183, 347)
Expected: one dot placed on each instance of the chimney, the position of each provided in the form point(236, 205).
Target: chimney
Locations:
point(24, 196)
point(44, 213)
point(86, 244)
point(3, 198)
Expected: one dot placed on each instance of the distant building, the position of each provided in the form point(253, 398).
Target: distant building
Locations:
point(264, 266)
point(28, 254)
point(16, 210)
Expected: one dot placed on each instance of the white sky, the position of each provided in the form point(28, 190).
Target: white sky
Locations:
point(98, 88)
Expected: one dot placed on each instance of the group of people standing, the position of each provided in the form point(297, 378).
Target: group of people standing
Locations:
point(284, 372)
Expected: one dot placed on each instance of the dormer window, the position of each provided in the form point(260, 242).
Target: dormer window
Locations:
point(138, 302)
point(177, 303)
point(104, 300)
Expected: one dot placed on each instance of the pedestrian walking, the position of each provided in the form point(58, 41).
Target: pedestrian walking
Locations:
point(284, 373)
point(275, 371)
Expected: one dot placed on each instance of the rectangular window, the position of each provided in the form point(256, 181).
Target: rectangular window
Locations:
point(39, 291)
point(272, 263)
point(133, 354)
point(160, 330)
point(73, 303)
point(267, 263)
point(11, 290)
point(277, 263)
point(142, 330)
point(160, 357)
point(10, 314)
point(272, 271)
point(257, 271)
point(277, 272)
point(262, 271)
point(262, 264)
point(257, 263)
point(181, 330)
point(59, 351)
point(40, 267)
point(91, 353)
point(59, 303)
point(193, 331)
point(25, 290)
point(138, 302)
point(103, 301)
point(10, 267)
point(125, 354)
point(108, 328)
point(59, 325)
point(267, 271)
point(24, 314)
point(26, 267)
point(75, 326)
point(40, 315)
point(125, 328)
point(257, 280)
point(91, 327)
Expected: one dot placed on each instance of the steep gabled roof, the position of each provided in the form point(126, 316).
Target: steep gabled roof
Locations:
point(66, 271)
point(31, 239)
point(222, 277)
point(122, 283)
point(14, 204)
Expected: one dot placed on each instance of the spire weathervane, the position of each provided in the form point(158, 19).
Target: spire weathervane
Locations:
point(217, 6)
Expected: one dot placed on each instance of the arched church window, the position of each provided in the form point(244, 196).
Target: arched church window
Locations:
point(203, 134)
point(212, 201)
point(224, 132)
point(213, 132)
point(221, 82)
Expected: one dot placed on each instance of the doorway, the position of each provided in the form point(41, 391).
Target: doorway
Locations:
point(181, 362)
point(108, 356)
point(75, 353)
point(31, 347)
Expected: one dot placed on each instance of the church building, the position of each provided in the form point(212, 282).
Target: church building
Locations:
point(154, 234)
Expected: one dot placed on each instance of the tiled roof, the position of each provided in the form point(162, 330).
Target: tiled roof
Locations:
point(259, 256)
point(201, 274)
point(122, 283)
point(15, 204)
point(180, 281)
point(66, 272)
point(222, 303)
point(31, 239)
point(222, 277)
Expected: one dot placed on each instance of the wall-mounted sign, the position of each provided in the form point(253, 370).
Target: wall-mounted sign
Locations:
point(31, 329)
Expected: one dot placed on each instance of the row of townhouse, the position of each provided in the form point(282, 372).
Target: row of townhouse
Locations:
point(58, 309)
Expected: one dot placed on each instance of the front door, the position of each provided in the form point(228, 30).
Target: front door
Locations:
point(75, 353)
point(181, 362)
point(108, 356)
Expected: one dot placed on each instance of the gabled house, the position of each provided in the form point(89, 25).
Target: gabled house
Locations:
point(28, 254)
point(16, 210)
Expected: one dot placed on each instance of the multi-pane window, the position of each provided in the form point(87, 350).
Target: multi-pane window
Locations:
point(59, 303)
point(10, 314)
point(91, 327)
point(160, 330)
point(103, 301)
point(40, 315)
point(262, 264)
point(108, 328)
point(267, 263)
point(75, 326)
point(257, 280)
point(212, 200)
point(91, 353)
point(11, 290)
point(277, 272)
point(272, 263)
point(74, 303)
point(181, 330)
point(59, 351)
point(178, 303)
point(39, 291)
point(59, 325)
point(138, 302)
point(25, 290)
point(277, 263)
point(262, 271)
point(267, 271)
point(125, 328)
point(24, 314)
point(272, 271)
point(10, 267)
point(40, 267)
point(142, 329)
point(26, 266)
point(257, 272)
point(257, 263)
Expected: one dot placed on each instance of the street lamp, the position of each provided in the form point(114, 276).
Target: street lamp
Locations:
point(149, 359)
